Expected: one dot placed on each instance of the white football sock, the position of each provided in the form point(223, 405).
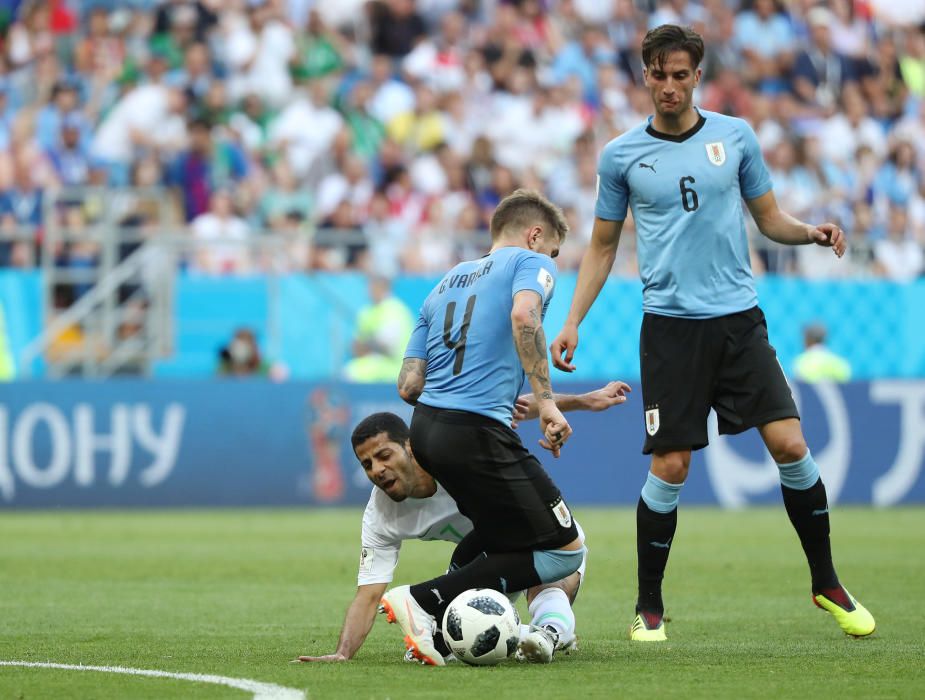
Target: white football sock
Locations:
point(551, 607)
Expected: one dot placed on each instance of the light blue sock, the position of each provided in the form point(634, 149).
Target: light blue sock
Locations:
point(660, 496)
point(799, 475)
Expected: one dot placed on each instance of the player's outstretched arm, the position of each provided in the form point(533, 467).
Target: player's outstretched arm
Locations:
point(612, 394)
point(530, 341)
point(411, 379)
point(781, 227)
point(595, 267)
point(359, 621)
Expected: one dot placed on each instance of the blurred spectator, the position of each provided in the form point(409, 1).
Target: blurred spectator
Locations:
point(195, 76)
point(70, 155)
point(438, 60)
point(896, 180)
point(208, 164)
point(443, 107)
point(21, 214)
point(63, 104)
point(82, 250)
point(222, 238)
point(306, 148)
point(727, 94)
point(284, 197)
point(194, 13)
point(352, 184)
point(292, 250)
point(101, 49)
point(258, 49)
point(819, 73)
point(241, 356)
point(390, 96)
point(432, 246)
point(912, 62)
point(581, 59)
point(383, 329)
point(850, 33)
point(422, 128)
point(899, 256)
point(149, 117)
point(395, 26)
point(385, 236)
point(340, 245)
point(850, 128)
point(319, 51)
point(250, 125)
point(765, 39)
point(817, 363)
point(366, 131)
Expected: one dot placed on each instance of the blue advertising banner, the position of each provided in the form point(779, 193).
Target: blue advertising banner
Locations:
point(237, 443)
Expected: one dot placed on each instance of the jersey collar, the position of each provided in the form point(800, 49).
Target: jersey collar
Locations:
point(677, 138)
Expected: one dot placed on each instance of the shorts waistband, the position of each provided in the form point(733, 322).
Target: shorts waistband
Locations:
point(452, 415)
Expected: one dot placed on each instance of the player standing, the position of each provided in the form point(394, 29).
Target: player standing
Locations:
point(479, 332)
point(704, 341)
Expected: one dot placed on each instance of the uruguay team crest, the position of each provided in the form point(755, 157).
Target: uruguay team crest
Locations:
point(716, 153)
point(561, 511)
point(652, 421)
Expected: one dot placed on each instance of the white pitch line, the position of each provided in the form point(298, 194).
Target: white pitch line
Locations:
point(261, 691)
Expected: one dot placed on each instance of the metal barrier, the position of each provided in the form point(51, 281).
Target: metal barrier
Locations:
point(123, 295)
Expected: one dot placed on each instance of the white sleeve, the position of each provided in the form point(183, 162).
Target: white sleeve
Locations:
point(377, 565)
point(379, 550)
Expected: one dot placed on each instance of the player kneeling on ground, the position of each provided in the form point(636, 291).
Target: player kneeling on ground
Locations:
point(407, 504)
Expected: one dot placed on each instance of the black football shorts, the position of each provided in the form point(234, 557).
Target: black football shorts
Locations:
point(689, 366)
point(496, 482)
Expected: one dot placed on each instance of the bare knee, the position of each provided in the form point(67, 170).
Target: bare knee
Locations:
point(671, 467)
point(784, 440)
point(789, 452)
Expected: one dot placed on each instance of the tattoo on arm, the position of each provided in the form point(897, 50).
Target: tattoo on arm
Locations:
point(411, 379)
point(531, 347)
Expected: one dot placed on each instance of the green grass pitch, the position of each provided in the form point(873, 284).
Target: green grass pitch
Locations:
point(240, 593)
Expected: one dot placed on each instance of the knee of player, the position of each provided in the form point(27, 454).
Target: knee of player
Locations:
point(671, 467)
point(789, 449)
point(556, 564)
point(568, 585)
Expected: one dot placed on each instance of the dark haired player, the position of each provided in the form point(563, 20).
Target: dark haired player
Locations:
point(479, 333)
point(407, 504)
point(704, 341)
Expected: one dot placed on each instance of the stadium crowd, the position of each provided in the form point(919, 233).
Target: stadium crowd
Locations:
point(380, 134)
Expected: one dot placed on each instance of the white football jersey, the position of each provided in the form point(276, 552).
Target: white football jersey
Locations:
point(386, 524)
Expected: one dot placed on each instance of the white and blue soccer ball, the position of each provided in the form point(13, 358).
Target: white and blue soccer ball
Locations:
point(481, 627)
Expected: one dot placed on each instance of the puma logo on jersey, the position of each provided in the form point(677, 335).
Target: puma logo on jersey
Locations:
point(650, 167)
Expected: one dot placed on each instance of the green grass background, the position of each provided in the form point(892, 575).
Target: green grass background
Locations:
point(240, 593)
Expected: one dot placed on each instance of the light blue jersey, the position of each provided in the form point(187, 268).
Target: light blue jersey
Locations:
point(464, 332)
point(686, 195)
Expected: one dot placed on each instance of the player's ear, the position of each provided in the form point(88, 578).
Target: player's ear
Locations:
point(697, 75)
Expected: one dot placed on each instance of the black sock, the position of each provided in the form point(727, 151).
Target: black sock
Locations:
point(654, 532)
point(809, 513)
point(467, 550)
point(505, 571)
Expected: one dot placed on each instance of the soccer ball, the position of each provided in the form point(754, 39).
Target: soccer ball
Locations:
point(481, 627)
